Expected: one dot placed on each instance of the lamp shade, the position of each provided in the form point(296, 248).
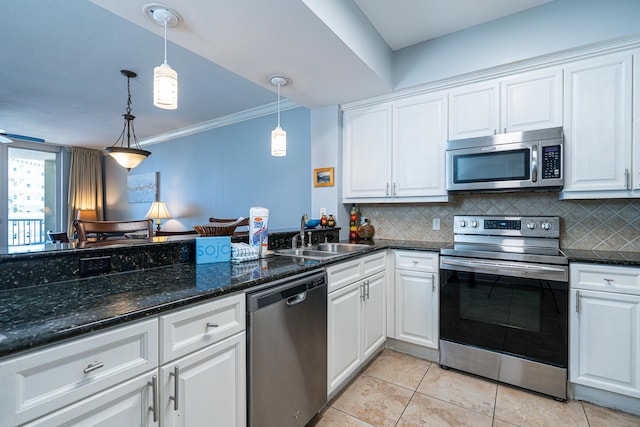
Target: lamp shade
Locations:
point(128, 157)
point(158, 210)
point(87, 215)
point(165, 87)
point(278, 142)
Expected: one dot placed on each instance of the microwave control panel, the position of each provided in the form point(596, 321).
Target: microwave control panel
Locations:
point(551, 162)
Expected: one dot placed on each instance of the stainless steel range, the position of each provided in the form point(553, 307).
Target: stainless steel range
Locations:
point(504, 301)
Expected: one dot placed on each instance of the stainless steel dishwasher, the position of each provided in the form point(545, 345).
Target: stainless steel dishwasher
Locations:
point(287, 351)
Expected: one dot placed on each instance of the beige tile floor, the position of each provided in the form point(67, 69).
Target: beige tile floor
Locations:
point(401, 390)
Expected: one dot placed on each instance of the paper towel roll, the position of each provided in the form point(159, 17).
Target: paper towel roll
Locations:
point(258, 228)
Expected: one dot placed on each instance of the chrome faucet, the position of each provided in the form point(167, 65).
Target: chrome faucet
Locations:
point(303, 220)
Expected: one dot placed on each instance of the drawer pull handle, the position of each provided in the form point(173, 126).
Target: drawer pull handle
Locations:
point(609, 281)
point(212, 325)
point(415, 262)
point(176, 388)
point(154, 398)
point(93, 366)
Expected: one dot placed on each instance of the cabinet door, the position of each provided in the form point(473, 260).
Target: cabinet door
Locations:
point(128, 404)
point(209, 388)
point(597, 124)
point(374, 314)
point(531, 101)
point(474, 110)
point(604, 341)
point(344, 323)
point(367, 150)
point(417, 308)
point(419, 138)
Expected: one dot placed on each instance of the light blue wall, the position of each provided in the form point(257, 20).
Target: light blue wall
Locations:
point(223, 172)
point(552, 27)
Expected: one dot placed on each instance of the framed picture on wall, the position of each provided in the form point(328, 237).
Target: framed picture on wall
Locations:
point(323, 177)
point(142, 188)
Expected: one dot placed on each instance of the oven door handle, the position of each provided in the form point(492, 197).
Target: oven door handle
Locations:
point(502, 266)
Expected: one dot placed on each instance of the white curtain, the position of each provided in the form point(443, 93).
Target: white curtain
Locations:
point(85, 183)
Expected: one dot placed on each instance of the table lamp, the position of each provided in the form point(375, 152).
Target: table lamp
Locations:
point(87, 214)
point(158, 211)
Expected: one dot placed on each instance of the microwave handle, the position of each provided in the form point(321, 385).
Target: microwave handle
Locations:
point(534, 163)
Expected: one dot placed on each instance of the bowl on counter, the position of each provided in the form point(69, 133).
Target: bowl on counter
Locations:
point(311, 223)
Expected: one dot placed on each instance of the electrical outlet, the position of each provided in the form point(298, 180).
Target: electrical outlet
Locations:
point(323, 211)
point(96, 265)
point(436, 223)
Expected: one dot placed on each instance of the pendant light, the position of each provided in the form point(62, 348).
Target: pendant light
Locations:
point(165, 78)
point(128, 157)
point(278, 135)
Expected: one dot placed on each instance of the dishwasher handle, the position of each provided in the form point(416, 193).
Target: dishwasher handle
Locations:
point(297, 299)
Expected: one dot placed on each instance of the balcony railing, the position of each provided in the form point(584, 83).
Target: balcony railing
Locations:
point(26, 231)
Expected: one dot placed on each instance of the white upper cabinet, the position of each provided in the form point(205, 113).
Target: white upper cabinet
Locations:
point(525, 101)
point(394, 152)
point(598, 128)
point(419, 137)
point(531, 101)
point(367, 152)
point(474, 110)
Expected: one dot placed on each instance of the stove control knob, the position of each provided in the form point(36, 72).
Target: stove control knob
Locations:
point(531, 225)
point(463, 223)
point(545, 226)
point(474, 224)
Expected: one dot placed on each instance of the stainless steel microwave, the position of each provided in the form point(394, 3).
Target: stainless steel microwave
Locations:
point(529, 160)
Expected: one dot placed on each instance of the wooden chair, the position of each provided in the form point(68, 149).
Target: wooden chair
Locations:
point(243, 223)
point(83, 228)
point(58, 237)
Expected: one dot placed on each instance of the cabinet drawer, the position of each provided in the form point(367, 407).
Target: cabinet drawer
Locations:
point(340, 275)
point(47, 380)
point(417, 261)
point(196, 327)
point(373, 264)
point(605, 278)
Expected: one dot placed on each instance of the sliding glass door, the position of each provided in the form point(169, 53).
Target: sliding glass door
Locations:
point(32, 202)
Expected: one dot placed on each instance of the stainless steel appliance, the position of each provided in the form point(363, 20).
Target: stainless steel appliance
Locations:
point(508, 161)
point(287, 351)
point(504, 302)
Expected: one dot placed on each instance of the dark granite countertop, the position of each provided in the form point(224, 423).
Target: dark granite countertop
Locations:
point(631, 259)
point(35, 316)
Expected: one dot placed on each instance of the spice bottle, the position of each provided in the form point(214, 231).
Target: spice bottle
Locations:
point(353, 224)
point(331, 222)
point(323, 221)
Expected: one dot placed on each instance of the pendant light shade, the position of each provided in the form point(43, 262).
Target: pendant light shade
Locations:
point(165, 78)
point(127, 156)
point(278, 135)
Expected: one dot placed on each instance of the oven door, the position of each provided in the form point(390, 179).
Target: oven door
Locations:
point(512, 308)
point(493, 167)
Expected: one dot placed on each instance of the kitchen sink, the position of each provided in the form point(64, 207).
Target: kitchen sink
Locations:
point(338, 247)
point(322, 251)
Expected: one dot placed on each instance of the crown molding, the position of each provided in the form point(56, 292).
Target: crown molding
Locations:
point(230, 119)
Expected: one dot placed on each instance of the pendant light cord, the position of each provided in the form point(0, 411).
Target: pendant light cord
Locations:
point(165, 41)
point(278, 105)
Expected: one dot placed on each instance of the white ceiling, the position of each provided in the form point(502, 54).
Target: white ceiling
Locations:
point(61, 60)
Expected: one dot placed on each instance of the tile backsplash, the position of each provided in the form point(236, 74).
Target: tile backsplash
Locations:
point(607, 224)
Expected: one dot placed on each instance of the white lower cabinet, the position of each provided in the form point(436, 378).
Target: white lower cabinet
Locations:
point(416, 298)
point(604, 351)
point(356, 317)
point(127, 404)
point(206, 388)
point(45, 381)
point(113, 378)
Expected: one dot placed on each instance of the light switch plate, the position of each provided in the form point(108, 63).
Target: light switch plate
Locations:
point(323, 211)
point(436, 223)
